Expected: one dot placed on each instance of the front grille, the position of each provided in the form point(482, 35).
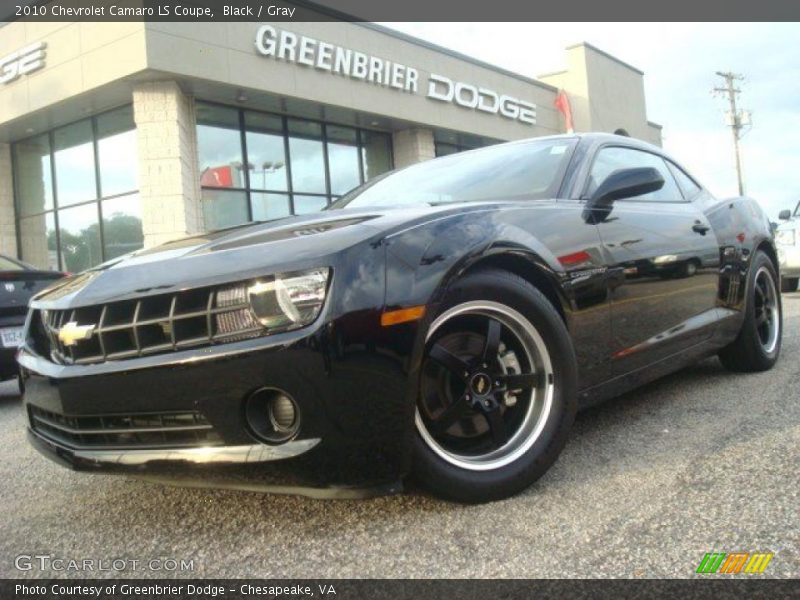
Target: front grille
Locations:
point(150, 325)
point(137, 431)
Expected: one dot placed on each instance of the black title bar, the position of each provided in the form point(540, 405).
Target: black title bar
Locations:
point(399, 10)
point(355, 589)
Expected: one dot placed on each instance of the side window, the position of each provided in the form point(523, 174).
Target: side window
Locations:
point(612, 158)
point(688, 185)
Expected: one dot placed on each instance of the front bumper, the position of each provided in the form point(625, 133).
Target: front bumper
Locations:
point(789, 260)
point(349, 379)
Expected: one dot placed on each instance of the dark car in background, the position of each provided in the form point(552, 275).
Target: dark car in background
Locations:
point(18, 283)
point(445, 320)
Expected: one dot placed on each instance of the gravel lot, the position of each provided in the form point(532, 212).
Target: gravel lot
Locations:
point(702, 460)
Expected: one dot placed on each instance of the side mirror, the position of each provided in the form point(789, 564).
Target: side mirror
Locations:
point(626, 183)
point(785, 214)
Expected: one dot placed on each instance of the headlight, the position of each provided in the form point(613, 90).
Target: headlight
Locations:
point(665, 258)
point(785, 237)
point(280, 303)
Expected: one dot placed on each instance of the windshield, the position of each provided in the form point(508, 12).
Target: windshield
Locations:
point(528, 170)
point(797, 210)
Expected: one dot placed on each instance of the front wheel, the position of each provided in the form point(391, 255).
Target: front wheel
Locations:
point(497, 390)
point(758, 344)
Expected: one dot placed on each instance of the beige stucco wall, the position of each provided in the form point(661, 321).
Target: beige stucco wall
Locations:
point(169, 186)
point(605, 94)
point(411, 146)
point(79, 57)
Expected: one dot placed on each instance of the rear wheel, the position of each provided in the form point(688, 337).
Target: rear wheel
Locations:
point(497, 390)
point(758, 344)
point(789, 284)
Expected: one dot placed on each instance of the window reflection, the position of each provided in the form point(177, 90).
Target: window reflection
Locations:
point(122, 225)
point(74, 161)
point(116, 152)
point(309, 204)
point(377, 154)
point(73, 204)
point(79, 237)
point(307, 156)
point(224, 208)
point(274, 182)
point(270, 206)
point(343, 159)
point(265, 152)
point(219, 145)
point(37, 237)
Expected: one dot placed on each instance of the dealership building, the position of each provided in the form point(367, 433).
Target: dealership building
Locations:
point(115, 136)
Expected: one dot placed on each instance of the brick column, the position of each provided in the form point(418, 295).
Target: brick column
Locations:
point(412, 146)
point(168, 181)
point(8, 228)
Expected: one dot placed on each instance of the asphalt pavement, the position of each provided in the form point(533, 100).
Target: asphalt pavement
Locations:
point(700, 461)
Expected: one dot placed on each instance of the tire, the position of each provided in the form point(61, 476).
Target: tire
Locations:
point(494, 451)
point(789, 284)
point(758, 344)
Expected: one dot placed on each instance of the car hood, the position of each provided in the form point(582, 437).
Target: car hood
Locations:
point(239, 253)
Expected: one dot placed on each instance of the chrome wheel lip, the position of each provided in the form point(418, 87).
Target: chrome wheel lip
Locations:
point(541, 397)
point(772, 305)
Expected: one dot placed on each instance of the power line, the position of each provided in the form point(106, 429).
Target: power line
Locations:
point(737, 119)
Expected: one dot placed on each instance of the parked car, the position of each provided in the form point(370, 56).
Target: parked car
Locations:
point(18, 282)
point(788, 243)
point(445, 321)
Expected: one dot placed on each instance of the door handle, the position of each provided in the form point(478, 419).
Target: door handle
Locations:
point(698, 227)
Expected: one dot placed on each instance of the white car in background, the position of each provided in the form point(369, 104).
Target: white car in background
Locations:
point(787, 239)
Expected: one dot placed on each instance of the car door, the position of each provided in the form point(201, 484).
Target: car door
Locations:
point(662, 262)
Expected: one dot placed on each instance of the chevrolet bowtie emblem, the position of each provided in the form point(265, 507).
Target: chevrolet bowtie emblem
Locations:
point(71, 333)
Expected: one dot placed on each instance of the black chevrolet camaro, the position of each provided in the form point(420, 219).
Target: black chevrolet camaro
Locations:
point(443, 321)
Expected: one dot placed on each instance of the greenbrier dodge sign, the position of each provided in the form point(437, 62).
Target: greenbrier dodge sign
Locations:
point(303, 50)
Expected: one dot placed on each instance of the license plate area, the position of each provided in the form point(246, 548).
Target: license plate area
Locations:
point(11, 337)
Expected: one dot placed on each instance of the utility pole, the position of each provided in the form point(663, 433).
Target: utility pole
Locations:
point(736, 118)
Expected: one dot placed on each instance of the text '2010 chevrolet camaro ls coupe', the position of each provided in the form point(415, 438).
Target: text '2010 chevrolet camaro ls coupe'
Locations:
point(443, 321)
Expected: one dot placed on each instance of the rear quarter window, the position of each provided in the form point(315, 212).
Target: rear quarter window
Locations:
point(689, 186)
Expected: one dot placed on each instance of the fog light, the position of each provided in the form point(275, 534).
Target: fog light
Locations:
point(272, 415)
point(282, 413)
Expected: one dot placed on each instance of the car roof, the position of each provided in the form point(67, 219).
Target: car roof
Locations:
point(597, 137)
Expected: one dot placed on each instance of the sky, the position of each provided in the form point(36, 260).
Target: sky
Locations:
point(679, 61)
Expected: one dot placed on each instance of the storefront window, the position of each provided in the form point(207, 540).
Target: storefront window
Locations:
point(266, 152)
point(307, 155)
point(116, 152)
point(343, 159)
point(79, 237)
point(376, 154)
point(122, 225)
point(90, 211)
point(75, 164)
point(259, 166)
point(224, 208)
point(308, 204)
point(268, 206)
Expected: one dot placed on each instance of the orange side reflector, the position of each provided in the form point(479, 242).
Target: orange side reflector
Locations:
point(404, 315)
